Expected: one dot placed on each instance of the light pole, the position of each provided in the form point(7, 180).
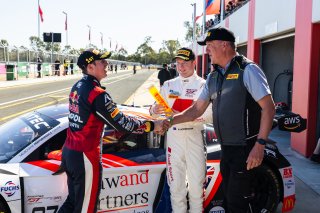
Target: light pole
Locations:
point(89, 35)
point(101, 41)
point(194, 25)
point(66, 26)
point(110, 43)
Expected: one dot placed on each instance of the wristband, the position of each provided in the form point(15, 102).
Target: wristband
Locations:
point(171, 120)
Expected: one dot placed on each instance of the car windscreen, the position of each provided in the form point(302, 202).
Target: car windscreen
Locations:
point(20, 132)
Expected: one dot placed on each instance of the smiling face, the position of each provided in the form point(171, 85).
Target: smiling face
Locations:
point(185, 68)
point(98, 69)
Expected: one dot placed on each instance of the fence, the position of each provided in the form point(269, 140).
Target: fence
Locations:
point(16, 63)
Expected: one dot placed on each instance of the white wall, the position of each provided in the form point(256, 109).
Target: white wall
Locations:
point(238, 23)
point(273, 17)
point(315, 11)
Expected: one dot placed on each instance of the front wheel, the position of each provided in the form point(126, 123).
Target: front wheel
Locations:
point(4, 207)
point(267, 190)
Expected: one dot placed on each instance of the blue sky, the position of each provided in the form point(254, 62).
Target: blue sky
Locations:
point(126, 22)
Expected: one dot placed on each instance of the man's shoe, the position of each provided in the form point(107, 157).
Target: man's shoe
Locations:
point(315, 158)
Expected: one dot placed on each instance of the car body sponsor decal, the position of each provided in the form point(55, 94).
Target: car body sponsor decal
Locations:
point(214, 180)
point(45, 165)
point(9, 188)
point(288, 203)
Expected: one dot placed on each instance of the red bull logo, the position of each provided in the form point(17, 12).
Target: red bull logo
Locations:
point(74, 97)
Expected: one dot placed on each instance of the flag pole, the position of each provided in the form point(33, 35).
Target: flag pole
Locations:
point(38, 19)
point(203, 32)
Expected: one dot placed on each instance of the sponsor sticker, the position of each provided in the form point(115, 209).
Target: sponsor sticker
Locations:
point(115, 112)
point(288, 203)
point(217, 209)
point(190, 92)
point(287, 173)
point(232, 76)
point(9, 188)
point(173, 96)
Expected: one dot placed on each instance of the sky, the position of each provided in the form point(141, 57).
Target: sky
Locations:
point(126, 22)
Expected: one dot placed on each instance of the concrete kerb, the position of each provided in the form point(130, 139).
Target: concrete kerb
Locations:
point(142, 96)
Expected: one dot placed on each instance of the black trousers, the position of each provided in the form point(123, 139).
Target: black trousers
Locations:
point(237, 179)
point(77, 165)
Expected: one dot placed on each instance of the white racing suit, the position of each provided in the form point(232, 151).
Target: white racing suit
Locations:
point(186, 158)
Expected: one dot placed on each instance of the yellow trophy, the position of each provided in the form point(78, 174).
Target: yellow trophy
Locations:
point(160, 100)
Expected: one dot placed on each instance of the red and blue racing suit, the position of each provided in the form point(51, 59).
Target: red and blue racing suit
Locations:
point(91, 107)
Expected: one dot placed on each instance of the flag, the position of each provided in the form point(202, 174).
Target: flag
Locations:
point(41, 14)
point(212, 7)
point(66, 24)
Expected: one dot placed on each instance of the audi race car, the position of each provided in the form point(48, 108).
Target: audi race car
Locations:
point(134, 168)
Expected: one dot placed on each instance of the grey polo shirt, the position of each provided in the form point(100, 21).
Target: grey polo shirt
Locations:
point(254, 80)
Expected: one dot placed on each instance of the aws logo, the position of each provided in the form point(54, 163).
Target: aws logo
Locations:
point(292, 123)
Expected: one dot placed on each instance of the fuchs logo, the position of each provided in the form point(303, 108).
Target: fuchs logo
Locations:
point(287, 173)
point(9, 188)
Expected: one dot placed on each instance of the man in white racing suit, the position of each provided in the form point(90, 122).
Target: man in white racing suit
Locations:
point(186, 158)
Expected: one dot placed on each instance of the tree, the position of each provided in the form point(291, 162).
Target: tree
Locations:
point(189, 33)
point(146, 51)
point(172, 46)
point(36, 43)
point(56, 47)
point(4, 42)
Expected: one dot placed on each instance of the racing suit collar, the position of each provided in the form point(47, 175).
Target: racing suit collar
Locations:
point(188, 79)
point(92, 78)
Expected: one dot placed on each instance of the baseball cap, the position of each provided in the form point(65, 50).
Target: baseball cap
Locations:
point(185, 54)
point(91, 55)
point(219, 33)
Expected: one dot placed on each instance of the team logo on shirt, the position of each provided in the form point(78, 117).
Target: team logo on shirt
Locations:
point(74, 97)
point(232, 76)
point(115, 112)
point(173, 94)
point(190, 92)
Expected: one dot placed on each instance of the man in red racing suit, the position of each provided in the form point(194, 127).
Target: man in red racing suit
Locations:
point(91, 107)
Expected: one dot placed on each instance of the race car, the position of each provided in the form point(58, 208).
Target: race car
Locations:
point(134, 168)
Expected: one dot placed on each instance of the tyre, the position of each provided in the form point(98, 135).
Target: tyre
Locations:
point(4, 207)
point(267, 190)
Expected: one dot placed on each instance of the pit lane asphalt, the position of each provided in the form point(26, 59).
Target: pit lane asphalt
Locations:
point(307, 173)
point(25, 95)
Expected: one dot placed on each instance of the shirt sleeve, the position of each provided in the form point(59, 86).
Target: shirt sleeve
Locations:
point(256, 82)
point(205, 94)
point(110, 114)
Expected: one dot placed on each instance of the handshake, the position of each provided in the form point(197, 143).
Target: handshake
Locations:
point(161, 126)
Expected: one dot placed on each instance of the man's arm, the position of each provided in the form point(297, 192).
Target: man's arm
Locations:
point(267, 113)
point(190, 114)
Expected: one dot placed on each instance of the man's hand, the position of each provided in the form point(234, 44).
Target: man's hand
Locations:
point(161, 126)
point(158, 109)
point(255, 156)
